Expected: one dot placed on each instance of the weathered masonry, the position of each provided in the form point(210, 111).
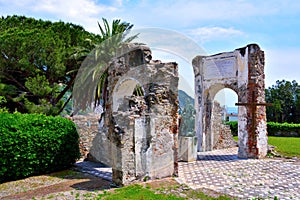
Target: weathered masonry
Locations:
point(137, 134)
point(242, 71)
point(138, 131)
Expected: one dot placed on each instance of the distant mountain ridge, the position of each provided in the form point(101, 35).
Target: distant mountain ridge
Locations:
point(184, 99)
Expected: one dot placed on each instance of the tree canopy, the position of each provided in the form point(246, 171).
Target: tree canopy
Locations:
point(39, 61)
point(285, 96)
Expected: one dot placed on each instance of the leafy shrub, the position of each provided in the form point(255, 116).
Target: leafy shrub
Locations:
point(234, 127)
point(2, 101)
point(33, 144)
point(274, 128)
point(285, 129)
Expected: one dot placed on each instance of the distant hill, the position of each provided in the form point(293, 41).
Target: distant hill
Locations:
point(184, 99)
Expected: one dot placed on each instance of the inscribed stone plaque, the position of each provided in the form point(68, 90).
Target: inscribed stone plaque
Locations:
point(218, 69)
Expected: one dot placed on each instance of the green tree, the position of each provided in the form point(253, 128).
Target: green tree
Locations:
point(2, 101)
point(285, 96)
point(39, 61)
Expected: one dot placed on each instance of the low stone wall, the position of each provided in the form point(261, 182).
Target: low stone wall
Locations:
point(285, 134)
point(224, 139)
point(87, 128)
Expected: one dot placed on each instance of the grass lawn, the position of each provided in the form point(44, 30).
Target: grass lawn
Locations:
point(135, 192)
point(138, 192)
point(287, 146)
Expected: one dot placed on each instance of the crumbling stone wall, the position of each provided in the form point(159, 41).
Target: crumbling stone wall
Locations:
point(222, 137)
point(242, 71)
point(87, 128)
point(138, 134)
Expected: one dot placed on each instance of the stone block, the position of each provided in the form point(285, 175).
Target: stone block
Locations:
point(187, 148)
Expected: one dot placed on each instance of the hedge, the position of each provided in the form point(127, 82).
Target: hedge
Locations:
point(283, 129)
point(32, 144)
point(274, 128)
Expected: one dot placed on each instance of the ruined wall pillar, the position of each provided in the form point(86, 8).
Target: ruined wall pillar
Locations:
point(255, 115)
point(142, 130)
point(242, 71)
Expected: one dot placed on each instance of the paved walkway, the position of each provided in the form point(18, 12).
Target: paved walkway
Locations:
point(223, 172)
point(95, 169)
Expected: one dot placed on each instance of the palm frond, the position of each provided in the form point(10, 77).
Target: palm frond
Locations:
point(93, 79)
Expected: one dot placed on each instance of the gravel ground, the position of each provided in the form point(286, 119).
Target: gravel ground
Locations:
point(61, 185)
point(77, 185)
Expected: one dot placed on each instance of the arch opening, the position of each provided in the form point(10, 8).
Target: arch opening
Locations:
point(223, 111)
point(124, 91)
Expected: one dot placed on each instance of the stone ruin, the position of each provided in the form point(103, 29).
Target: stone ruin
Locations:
point(222, 137)
point(139, 135)
point(242, 71)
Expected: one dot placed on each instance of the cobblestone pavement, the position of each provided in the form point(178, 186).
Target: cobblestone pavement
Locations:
point(223, 171)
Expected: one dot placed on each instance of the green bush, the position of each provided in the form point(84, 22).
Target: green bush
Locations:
point(2, 101)
point(234, 127)
point(284, 128)
point(274, 128)
point(32, 144)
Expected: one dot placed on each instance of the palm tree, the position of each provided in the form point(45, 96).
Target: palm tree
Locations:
point(94, 70)
point(116, 34)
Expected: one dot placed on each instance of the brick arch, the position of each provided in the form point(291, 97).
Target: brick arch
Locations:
point(242, 71)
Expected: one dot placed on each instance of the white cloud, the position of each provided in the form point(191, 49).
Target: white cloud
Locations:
point(119, 2)
point(83, 12)
point(73, 9)
point(169, 14)
point(205, 34)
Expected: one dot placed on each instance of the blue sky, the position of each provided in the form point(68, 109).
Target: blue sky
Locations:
point(215, 25)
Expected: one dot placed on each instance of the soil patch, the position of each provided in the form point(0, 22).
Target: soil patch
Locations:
point(57, 183)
